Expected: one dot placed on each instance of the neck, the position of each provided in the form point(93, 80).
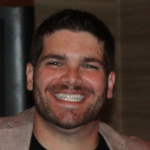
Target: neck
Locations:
point(54, 137)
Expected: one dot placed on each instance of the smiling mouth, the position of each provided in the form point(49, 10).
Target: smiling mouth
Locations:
point(70, 97)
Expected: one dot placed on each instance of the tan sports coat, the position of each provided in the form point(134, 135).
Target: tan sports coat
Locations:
point(15, 134)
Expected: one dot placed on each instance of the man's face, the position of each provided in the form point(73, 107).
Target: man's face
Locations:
point(70, 82)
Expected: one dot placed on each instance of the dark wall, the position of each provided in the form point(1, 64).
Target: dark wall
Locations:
point(16, 29)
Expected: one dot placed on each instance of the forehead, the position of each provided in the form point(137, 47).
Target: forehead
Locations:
point(67, 42)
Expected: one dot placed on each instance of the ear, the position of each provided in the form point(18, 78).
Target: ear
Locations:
point(29, 73)
point(111, 81)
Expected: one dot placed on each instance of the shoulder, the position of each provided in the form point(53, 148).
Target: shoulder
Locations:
point(18, 120)
point(119, 141)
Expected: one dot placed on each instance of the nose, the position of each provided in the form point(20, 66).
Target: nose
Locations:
point(72, 77)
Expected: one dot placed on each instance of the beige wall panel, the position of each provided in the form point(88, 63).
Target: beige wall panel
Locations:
point(105, 10)
point(135, 55)
point(129, 22)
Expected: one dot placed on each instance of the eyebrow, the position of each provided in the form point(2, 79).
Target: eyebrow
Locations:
point(86, 59)
point(62, 58)
point(59, 57)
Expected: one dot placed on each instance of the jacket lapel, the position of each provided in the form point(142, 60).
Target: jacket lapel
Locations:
point(114, 140)
point(16, 138)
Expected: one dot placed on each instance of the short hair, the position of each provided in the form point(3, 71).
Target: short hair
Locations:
point(77, 21)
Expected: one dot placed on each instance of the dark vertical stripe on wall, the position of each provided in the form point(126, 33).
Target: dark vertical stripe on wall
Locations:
point(18, 30)
point(2, 78)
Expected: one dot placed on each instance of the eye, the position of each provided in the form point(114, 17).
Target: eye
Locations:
point(53, 63)
point(91, 66)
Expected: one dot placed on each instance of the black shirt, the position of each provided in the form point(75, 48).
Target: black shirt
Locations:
point(35, 145)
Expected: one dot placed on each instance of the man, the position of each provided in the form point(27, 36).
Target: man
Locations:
point(71, 74)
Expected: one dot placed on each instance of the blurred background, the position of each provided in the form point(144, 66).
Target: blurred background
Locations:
point(129, 22)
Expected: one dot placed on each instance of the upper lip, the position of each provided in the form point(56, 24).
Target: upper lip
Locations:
point(70, 92)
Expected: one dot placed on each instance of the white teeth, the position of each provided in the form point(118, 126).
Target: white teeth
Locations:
point(69, 97)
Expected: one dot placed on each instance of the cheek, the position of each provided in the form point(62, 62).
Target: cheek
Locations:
point(96, 81)
point(45, 77)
